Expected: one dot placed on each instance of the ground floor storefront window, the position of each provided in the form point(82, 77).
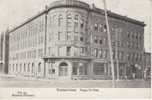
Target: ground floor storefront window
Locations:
point(98, 69)
point(80, 68)
point(1, 67)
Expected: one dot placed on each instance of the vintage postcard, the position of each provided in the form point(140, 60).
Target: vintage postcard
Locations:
point(75, 49)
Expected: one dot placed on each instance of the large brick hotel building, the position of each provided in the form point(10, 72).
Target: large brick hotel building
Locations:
point(68, 40)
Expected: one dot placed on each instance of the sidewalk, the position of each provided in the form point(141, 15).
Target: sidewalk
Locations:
point(20, 81)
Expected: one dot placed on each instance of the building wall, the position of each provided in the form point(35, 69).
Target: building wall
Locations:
point(27, 48)
point(70, 34)
point(147, 59)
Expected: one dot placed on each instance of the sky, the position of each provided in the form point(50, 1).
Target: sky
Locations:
point(15, 12)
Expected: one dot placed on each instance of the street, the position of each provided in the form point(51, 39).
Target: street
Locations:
point(25, 82)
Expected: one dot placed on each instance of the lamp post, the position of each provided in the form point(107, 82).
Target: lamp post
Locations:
point(109, 43)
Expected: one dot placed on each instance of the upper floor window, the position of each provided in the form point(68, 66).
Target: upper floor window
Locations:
point(68, 51)
point(105, 28)
point(82, 23)
point(96, 27)
point(101, 28)
point(76, 27)
point(96, 52)
point(60, 19)
point(100, 41)
point(82, 50)
point(69, 21)
point(76, 17)
point(59, 35)
point(81, 39)
point(95, 39)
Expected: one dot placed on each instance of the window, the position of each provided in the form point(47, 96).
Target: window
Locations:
point(24, 68)
point(53, 71)
point(69, 20)
point(100, 54)
point(80, 68)
point(98, 68)
point(113, 54)
point(96, 52)
point(68, 35)
point(28, 69)
point(95, 40)
point(59, 35)
point(81, 39)
point(82, 50)
point(20, 67)
point(105, 41)
point(105, 28)
point(68, 51)
point(113, 43)
point(82, 23)
point(32, 68)
point(96, 27)
point(100, 41)
point(104, 53)
point(39, 67)
point(76, 17)
point(60, 19)
point(13, 68)
point(16, 67)
point(101, 28)
point(76, 27)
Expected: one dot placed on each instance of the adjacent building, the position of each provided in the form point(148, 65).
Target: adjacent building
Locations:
point(147, 64)
point(1, 53)
point(4, 41)
point(68, 40)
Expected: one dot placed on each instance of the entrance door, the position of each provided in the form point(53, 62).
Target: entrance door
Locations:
point(63, 69)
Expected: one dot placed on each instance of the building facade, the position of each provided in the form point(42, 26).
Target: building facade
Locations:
point(4, 41)
point(68, 40)
point(147, 64)
point(1, 53)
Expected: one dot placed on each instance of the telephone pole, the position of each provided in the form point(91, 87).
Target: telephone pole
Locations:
point(109, 42)
point(117, 61)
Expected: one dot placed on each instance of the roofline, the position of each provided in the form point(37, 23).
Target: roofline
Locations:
point(28, 20)
point(118, 16)
point(94, 9)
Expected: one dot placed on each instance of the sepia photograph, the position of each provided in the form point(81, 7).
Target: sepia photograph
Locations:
point(75, 46)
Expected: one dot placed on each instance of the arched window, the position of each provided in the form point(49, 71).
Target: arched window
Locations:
point(32, 67)
point(28, 69)
point(16, 67)
point(20, 67)
point(13, 68)
point(69, 17)
point(24, 67)
point(60, 19)
point(39, 67)
point(76, 17)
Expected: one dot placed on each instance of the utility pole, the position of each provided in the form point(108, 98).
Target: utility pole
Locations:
point(117, 61)
point(109, 42)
